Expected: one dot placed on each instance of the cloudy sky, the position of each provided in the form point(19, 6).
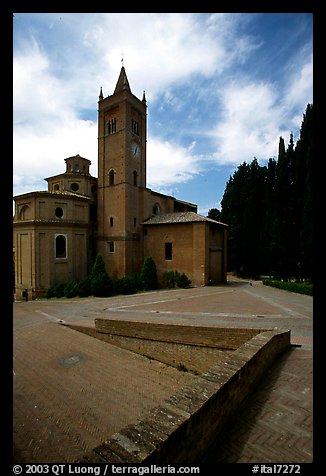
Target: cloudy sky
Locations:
point(221, 89)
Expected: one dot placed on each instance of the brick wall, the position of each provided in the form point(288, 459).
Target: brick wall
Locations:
point(181, 428)
point(192, 358)
point(218, 337)
point(194, 347)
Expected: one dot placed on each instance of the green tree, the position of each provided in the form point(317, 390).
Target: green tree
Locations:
point(101, 284)
point(269, 210)
point(284, 219)
point(252, 220)
point(233, 205)
point(182, 280)
point(241, 210)
point(148, 274)
point(214, 214)
point(71, 289)
point(169, 279)
point(268, 254)
point(304, 192)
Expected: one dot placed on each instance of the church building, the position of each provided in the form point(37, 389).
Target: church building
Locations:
point(58, 233)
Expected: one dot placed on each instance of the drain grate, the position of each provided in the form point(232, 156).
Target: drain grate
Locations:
point(71, 360)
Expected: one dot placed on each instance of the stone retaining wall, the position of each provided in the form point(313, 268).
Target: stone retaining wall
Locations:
point(193, 348)
point(219, 337)
point(181, 428)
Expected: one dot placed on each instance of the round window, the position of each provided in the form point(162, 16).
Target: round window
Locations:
point(74, 187)
point(59, 212)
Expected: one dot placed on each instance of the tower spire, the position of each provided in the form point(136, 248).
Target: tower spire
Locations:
point(122, 84)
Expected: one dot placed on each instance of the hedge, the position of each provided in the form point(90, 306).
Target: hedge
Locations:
point(305, 287)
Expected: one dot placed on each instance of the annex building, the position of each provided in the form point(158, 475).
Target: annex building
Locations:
point(58, 232)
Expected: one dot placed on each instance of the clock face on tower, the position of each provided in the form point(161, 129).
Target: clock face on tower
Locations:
point(135, 149)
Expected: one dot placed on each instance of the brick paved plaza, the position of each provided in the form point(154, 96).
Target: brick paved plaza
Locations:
point(72, 392)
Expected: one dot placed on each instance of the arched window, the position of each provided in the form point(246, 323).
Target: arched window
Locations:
point(112, 126)
point(60, 246)
point(111, 177)
point(135, 127)
point(25, 213)
point(156, 209)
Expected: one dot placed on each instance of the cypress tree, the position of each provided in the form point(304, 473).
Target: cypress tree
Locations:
point(101, 284)
point(214, 214)
point(268, 235)
point(304, 192)
point(148, 274)
point(269, 211)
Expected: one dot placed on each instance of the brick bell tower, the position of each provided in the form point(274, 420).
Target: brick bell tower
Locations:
point(121, 178)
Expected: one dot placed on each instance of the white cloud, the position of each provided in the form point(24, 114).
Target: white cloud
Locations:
point(38, 156)
point(48, 97)
point(250, 123)
point(57, 79)
point(39, 97)
point(256, 114)
point(47, 128)
point(300, 86)
point(174, 47)
point(169, 164)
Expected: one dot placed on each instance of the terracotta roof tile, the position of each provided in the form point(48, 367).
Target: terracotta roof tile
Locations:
point(178, 217)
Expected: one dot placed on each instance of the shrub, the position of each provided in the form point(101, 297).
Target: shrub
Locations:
point(101, 284)
point(296, 287)
point(182, 368)
point(182, 280)
point(71, 289)
point(49, 292)
point(98, 267)
point(174, 278)
point(56, 291)
point(84, 287)
point(169, 279)
point(148, 274)
point(126, 285)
